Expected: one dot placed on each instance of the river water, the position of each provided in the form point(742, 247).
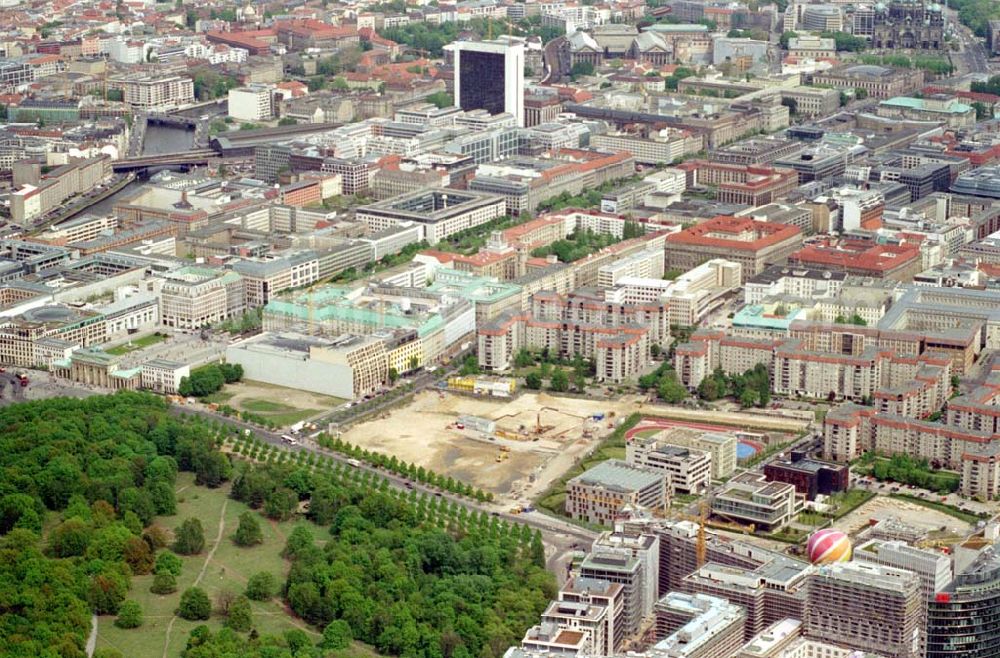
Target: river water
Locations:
point(166, 139)
point(159, 139)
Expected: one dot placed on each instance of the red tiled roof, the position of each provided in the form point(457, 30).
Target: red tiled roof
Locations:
point(767, 233)
point(851, 255)
point(971, 95)
point(440, 256)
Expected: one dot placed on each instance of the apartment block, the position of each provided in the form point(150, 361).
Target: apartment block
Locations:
point(977, 410)
point(933, 567)
point(600, 493)
point(981, 472)
point(710, 349)
point(617, 336)
point(867, 607)
point(688, 471)
point(839, 361)
point(820, 375)
point(697, 626)
point(154, 93)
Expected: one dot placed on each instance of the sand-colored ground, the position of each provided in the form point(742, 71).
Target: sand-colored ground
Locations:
point(882, 507)
point(423, 432)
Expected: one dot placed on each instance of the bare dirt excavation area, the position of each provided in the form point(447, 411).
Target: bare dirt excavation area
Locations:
point(427, 433)
point(535, 437)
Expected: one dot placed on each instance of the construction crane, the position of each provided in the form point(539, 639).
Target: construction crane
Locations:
point(701, 548)
point(701, 545)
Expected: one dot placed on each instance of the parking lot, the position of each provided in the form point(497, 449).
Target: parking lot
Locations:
point(964, 504)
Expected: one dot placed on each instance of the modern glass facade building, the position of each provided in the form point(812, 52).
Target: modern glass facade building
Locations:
point(963, 621)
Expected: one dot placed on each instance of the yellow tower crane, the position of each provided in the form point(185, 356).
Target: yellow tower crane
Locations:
point(701, 548)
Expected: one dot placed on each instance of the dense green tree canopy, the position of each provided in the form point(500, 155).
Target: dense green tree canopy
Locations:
point(261, 586)
point(98, 468)
point(248, 533)
point(194, 605)
point(396, 579)
point(410, 576)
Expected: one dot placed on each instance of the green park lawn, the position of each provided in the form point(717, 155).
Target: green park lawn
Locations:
point(137, 344)
point(227, 568)
point(277, 412)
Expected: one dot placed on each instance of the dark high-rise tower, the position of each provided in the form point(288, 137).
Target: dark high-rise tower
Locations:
point(489, 75)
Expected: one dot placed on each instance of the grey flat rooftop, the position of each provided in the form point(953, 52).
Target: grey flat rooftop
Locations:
point(616, 474)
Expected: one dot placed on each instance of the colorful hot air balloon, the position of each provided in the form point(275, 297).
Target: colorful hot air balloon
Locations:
point(828, 546)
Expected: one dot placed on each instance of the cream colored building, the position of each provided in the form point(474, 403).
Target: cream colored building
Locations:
point(811, 46)
point(253, 103)
point(194, 297)
point(721, 447)
point(701, 291)
point(162, 376)
point(813, 101)
point(153, 93)
point(365, 357)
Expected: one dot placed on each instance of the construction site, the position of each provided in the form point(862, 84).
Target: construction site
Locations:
point(503, 445)
point(941, 529)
